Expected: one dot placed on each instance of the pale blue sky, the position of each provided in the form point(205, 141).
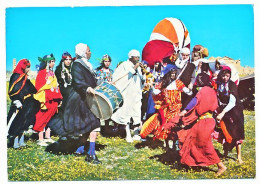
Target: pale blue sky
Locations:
point(226, 30)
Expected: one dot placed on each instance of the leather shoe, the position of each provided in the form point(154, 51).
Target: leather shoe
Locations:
point(92, 159)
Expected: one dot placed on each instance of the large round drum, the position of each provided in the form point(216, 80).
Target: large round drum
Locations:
point(106, 100)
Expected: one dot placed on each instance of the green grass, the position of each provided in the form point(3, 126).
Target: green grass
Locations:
point(126, 161)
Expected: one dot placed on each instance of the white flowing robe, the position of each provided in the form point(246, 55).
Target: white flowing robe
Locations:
point(130, 86)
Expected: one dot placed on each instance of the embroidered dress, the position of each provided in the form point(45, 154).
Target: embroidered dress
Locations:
point(48, 94)
point(168, 103)
point(104, 74)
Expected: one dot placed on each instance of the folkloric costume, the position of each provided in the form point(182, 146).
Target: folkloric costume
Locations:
point(63, 74)
point(168, 103)
point(196, 147)
point(130, 84)
point(48, 93)
point(232, 124)
point(102, 73)
point(77, 119)
point(20, 92)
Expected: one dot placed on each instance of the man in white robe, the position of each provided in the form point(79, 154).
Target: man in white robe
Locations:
point(128, 78)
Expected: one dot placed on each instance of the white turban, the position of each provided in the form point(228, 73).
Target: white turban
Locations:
point(80, 50)
point(133, 53)
point(185, 50)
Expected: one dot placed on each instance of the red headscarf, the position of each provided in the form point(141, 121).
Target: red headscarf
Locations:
point(22, 64)
point(156, 50)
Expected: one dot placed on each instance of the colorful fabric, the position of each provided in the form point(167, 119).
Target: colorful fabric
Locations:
point(21, 88)
point(233, 119)
point(21, 66)
point(196, 147)
point(46, 58)
point(168, 103)
point(105, 75)
point(65, 55)
point(47, 88)
point(172, 30)
point(157, 50)
point(48, 94)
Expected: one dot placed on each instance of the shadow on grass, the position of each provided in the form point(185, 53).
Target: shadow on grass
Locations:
point(172, 158)
point(150, 143)
point(69, 146)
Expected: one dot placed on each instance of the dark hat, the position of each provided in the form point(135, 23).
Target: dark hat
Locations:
point(65, 55)
point(168, 68)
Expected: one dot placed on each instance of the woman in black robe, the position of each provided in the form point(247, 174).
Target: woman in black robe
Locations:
point(231, 113)
point(77, 121)
point(64, 77)
point(23, 107)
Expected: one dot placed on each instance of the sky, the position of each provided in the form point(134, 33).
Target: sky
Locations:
point(32, 32)
point(226, 30)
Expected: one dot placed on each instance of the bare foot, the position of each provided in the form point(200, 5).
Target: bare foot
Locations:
point(240, 161)
point(221, 170)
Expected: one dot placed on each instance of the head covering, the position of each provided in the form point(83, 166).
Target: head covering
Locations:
point(106, 57)
point(65, 55)
point(44, 60)
point(157, 50)
point(185, 50)
point(227, 68)
point(202, 80)
point(145, 62)
point(202, 50)
point(80, 50)
point(133, 53)
point(168, 68)
point(22, 64)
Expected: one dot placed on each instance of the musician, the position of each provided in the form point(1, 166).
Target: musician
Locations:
point(77, 121)
point(129, 79)
point(23, 104)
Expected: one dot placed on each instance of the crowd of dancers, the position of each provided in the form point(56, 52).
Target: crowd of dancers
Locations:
point(177, 99)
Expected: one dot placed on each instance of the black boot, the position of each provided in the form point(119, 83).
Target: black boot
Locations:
point(92, 159)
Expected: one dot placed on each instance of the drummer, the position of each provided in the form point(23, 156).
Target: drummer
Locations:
point(77, 121)
point(129, 79)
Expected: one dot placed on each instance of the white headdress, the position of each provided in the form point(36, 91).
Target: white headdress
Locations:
point(133, 53)
point(80, 50)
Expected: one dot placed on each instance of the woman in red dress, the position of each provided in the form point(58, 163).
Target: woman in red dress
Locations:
point(49, 95)
point(196, 147)
point(167, 98)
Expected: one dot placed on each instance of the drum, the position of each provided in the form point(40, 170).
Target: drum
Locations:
point(105, 102)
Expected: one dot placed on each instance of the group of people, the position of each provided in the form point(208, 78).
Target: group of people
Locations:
point(178, 99)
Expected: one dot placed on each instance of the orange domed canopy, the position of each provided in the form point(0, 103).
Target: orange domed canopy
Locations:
point(172, 30)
